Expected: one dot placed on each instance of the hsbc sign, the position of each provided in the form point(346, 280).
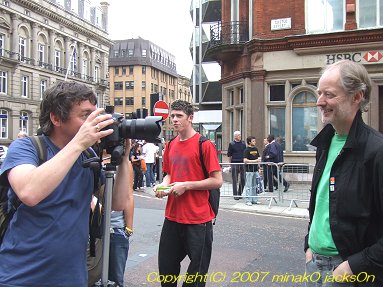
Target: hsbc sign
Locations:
point(369, 57)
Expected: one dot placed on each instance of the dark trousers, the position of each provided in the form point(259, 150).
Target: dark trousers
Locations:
point(238, 169)
point(178, 240)
point(272, 174)
point(138, 176)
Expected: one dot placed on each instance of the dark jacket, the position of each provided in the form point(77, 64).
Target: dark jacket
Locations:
point(235, 150)
point(356, 204)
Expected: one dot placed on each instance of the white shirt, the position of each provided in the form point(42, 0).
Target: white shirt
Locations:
point(149, 151)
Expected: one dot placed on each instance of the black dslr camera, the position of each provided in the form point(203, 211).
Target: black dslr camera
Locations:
point(147, 129)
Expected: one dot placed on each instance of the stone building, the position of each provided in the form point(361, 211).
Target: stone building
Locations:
point(42, 42)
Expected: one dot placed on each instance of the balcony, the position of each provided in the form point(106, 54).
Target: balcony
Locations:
point(227, 40)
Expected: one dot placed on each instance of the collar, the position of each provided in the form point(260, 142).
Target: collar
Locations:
point(324, 137)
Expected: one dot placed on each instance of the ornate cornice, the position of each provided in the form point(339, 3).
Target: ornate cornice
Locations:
point(315, 41)
point(36, 7)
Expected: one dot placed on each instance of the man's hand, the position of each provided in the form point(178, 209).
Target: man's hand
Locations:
point(309, 255)
point(343, 271)
point(91, 130)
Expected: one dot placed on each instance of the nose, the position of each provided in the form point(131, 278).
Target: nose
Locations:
point(321, 101)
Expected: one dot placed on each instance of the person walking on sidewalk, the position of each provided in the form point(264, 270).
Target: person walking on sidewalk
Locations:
point(251, 158)
point(187, 229)
point(235, 153)
point(345, 234)
point(149, 151)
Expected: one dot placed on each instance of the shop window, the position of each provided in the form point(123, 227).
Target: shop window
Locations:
point(370, 13)
point(304, 121)
point(278, 121)
point(325, 15)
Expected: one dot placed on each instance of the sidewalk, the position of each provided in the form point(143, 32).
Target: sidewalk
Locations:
point(278, 209)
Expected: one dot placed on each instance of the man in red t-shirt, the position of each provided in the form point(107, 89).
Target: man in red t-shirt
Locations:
point(187, 228)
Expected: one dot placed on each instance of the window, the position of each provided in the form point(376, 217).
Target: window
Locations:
point(41, 53)
point(3, 82)
point(23, 121)
point(43, 87)
point(2, 44)
point(123, 70)
point(24, 86)
point(116, 53)
point(143, 85)
point(118, 101)
point(143, 101)
point(129, 85)
point(3, 124)
point(131, 69)
point(304, 121)
point(85, 67)
point(143, 70)
point(96, 74)
point(277, 121)
point(129, 101)
point(57, 59)
point(116, 71)
point(370, 13)
point(22, 49)
point(143, 53)
point(277, 93)
point(118, 86)
point(130, 52)
point(325, 15)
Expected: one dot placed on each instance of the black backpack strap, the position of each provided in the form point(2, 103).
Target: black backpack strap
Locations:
point(201, 140)
point(40, 148)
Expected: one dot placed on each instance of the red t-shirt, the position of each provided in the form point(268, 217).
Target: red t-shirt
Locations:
point(182, 163)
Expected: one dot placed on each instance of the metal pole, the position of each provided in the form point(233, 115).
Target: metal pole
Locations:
point(107, 215)
point(194, 49)
point(200, 54)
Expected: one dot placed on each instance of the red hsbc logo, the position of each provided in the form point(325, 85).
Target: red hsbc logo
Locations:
point(358, 57)
point(372, 56)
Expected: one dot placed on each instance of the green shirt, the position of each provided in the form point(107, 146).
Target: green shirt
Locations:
point(320, 237)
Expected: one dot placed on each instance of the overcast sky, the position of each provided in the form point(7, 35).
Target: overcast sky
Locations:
point(166, 23)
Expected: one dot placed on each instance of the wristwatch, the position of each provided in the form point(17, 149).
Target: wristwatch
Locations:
point(128, 231)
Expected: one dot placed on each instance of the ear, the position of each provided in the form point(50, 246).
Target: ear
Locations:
point(55, 119)
point(191, 118)
point(358, 97)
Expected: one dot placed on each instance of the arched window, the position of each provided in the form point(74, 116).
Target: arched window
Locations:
point(3, 124)
point(24, 122)
point(304, 121)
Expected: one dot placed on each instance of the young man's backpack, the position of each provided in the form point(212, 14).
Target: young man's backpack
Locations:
point(6, 212)
point(214, 194)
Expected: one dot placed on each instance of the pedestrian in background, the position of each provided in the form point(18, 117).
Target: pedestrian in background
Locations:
point(235, 153)
point(187, 229)
point(251, 158)
point(345, 236)
point(149, 151)
point(46, 241)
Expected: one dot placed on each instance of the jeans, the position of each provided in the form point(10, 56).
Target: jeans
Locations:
point(320, 268)
point(238, 169)
point(178, 240)
point(251, 186)
point(119, 248)
point(149, 175)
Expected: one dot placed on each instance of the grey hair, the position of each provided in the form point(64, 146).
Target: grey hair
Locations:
point(354, 78)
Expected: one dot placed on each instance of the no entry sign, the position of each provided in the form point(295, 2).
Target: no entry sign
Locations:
point(161, 109)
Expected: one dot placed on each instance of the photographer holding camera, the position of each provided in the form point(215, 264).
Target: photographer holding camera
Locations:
point(45, 243)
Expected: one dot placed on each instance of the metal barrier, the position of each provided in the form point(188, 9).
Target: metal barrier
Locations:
point(282, 183)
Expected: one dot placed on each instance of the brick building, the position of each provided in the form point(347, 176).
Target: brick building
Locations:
point(271, 53)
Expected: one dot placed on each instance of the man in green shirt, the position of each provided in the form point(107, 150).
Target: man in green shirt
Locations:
point(344, 244)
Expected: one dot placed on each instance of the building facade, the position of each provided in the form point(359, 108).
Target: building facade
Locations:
point(141, 73)
point(43, 42)
point(271, 54)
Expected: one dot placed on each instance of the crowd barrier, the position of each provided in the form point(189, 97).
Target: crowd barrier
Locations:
point(290, 182)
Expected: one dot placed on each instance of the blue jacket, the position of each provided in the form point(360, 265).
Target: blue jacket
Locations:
point(236, 150)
